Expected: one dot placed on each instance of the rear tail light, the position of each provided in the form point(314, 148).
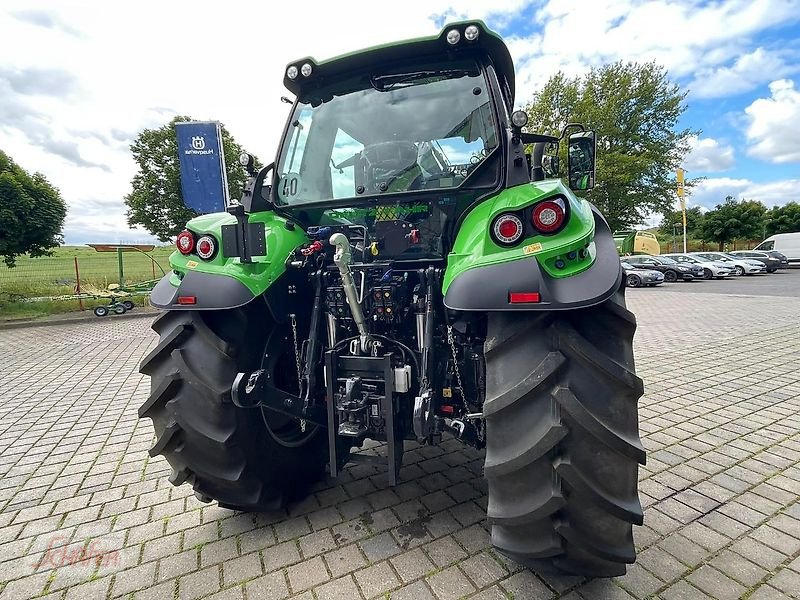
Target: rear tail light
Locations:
point(507, 229)
point(206, 247)
point(548, 216)
point(185, 242)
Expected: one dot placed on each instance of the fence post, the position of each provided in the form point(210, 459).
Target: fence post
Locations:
point(121, 274)
point(78, 283)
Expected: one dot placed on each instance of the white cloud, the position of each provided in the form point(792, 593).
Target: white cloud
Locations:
point(773, 129)
point(707, 155)
point(710, 192)
point(686, 37)
point(745, 74)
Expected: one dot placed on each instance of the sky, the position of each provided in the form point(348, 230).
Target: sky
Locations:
point(79, 80)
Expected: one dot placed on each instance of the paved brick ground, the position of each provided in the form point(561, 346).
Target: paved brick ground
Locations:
point(84, 512)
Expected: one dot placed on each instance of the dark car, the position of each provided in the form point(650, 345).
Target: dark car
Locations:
point(671, 269)
point(638, 277)
point(772, 263)
point(779, 255)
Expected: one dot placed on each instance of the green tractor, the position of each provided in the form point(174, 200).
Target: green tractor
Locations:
point(407, 270)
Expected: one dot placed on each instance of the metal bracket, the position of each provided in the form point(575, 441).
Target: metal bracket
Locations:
point(255, 390)
point(339, 368)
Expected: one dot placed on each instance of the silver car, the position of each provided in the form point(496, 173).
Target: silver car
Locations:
point(711, 269)
point(742, 266)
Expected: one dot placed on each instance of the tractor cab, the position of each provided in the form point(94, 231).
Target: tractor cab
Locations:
point(418, 132)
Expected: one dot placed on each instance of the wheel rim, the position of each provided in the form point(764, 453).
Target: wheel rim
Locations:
point(670, 276)
point(633, 281)
point(707, 274)
point(100, 311)
point(279, 362)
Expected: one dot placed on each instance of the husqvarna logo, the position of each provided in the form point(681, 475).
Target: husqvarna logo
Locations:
point(197, 146)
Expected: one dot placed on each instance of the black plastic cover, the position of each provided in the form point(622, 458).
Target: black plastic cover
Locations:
point(212, 292)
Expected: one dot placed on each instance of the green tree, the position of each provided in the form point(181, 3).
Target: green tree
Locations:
point(32, 213)
point(694, 221)
point(720, 224)
point(634, 108)
point(733, 220)
point(783, 219)
point(751, 215)
point(156, 201)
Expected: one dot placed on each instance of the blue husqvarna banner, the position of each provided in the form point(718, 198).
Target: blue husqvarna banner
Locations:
point(203, 180)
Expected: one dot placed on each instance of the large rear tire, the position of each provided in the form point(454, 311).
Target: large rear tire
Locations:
point(563, 448)
point(226, 453)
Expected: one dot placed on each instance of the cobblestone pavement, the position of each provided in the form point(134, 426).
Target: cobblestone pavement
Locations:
point(85, 513)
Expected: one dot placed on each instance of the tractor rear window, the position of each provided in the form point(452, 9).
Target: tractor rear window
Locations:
point(404, 129)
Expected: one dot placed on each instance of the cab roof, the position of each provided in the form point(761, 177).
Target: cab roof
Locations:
point(488, 42)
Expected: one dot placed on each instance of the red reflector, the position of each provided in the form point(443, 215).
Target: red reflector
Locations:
point(206, 246)
point(447, 409)
point(508, 229)
point(187, 299)
point(524, 297)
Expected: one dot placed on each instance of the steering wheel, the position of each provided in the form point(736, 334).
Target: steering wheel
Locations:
point(384, 162)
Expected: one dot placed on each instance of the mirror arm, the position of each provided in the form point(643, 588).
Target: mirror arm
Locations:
point(253, 187)
point(568, 126)
point(535, 138)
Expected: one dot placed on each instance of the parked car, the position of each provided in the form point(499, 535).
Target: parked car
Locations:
point(641, 277)
point(741, 266)
point(786, 243)
point(780, 256)
point(672, 270)
point(772, 264)
point(711, 269)
point(696, 270)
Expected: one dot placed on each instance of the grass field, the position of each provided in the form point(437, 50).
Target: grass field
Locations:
point(55, 276)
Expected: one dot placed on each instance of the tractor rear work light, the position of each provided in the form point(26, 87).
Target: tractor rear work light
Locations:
point(548, 216)
point(206, 247)
point(524, 297)
point(185, 242)
point(471, 33)
point(453, 37)
point(507, 229)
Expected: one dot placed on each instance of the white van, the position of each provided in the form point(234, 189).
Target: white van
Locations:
point(786, 243)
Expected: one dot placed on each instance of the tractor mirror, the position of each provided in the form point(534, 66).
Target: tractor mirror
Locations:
point(582, 146)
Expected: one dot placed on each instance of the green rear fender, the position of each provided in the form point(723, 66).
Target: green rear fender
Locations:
point(226, 282)
point(578, 266)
